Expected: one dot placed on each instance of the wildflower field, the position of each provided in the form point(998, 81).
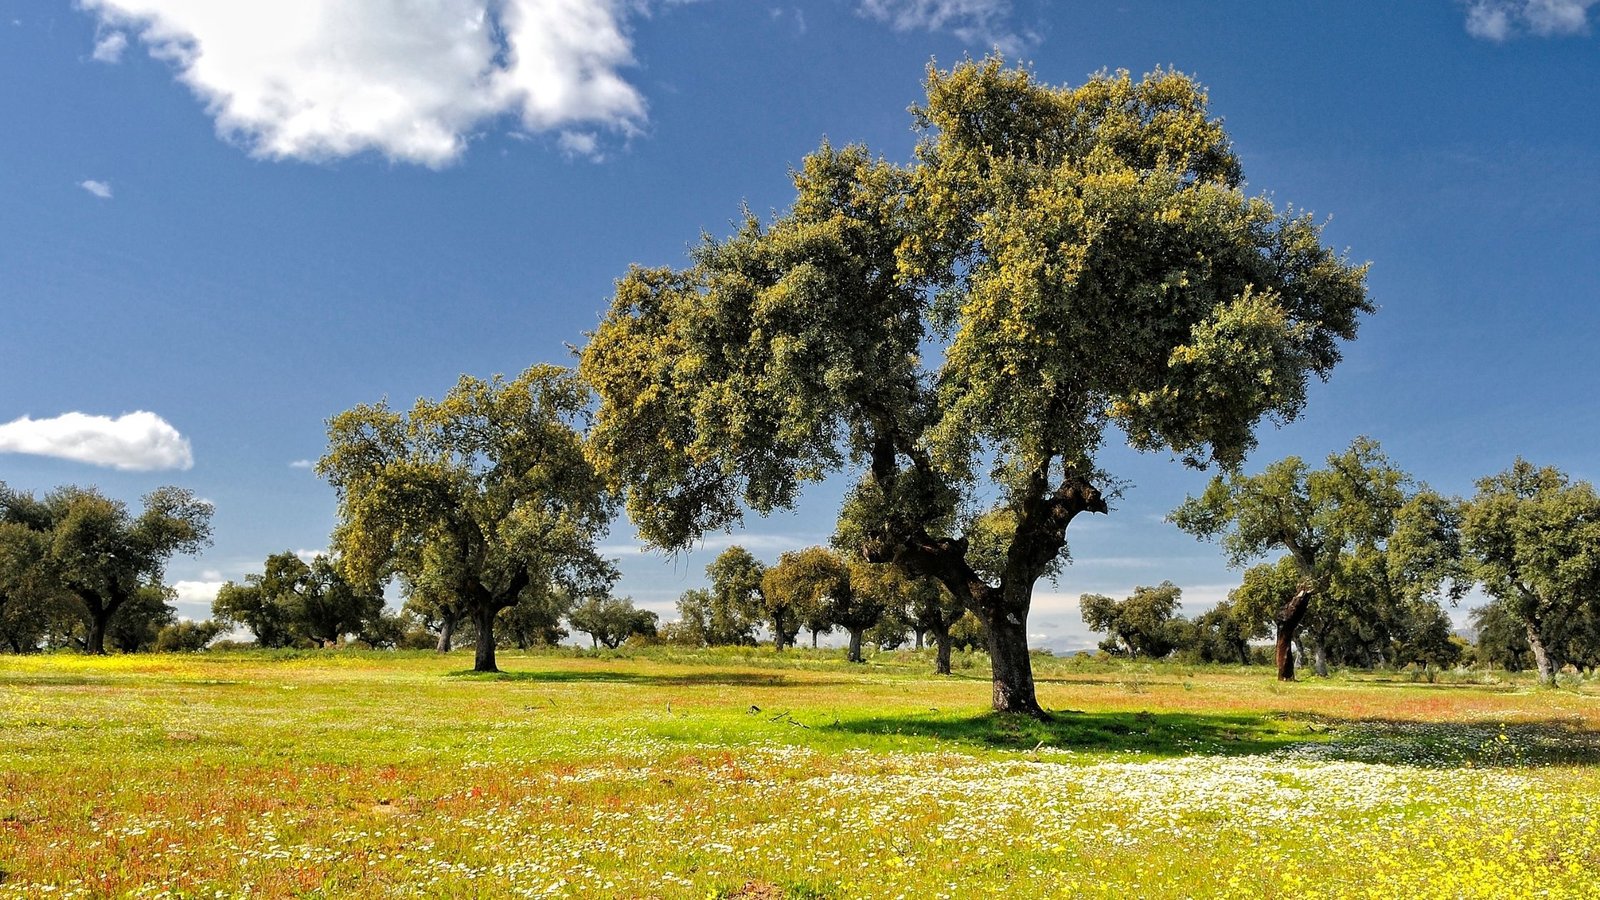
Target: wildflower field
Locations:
point(747, 774)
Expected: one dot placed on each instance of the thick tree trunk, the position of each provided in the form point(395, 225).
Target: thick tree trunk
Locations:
point(1541, 656)
point(1013, 669)
point(941, 663)
point(1289, 618)
point(1320, 658)
point(96, 641)
point(813, 638)
point(855, 645)
point(919, 632)
point(483, 618)
point(777, 631)
point(447, 633)
point(1244, 653)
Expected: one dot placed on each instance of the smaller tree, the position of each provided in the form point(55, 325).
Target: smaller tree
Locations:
point(612, 620)
point(1532, 537)
point(1225, 634)
point(292, 601)
point(103, 555)
point(487, 492)
point(535, 619)
point(1141, 625)
point(185, 636)
point(140, 620)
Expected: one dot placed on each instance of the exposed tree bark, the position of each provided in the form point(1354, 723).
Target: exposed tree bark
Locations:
point(777, 630)
point(1288, 622)
point(855, 645)
point(483, 617)
point(1041, 533)
point(1013, 669)
point(447, 631)
point(941, 664)
point(1320, 659)
point(1541, 655)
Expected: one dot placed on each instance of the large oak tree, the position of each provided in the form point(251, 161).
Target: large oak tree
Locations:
point(485, 494)
point(1055, 262)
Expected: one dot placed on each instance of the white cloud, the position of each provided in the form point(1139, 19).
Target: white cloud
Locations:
point(137, 441)
point(410, 79)
point(100, 189)
point(108, 49)
point(197, 591)
point(579, 143)
point(1501, 20)
point(302, 464)
point(983, 22)
point(309, 555)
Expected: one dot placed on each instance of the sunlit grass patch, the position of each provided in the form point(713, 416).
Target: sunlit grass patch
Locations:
point(374, 775)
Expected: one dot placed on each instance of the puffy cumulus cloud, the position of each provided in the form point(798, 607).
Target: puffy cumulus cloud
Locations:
point(138, 441)
point(1501, 20)
point(100, 189)
point(984, 22)
point(410, 79)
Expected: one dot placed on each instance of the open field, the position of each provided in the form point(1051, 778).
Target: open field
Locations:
point(747, 775)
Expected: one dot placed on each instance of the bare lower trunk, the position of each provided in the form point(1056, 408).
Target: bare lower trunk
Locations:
point(813, 638)
point(855, 645)
point(447, 633)
point(919, 632)
point(1244, 653)
point(483, 618)
point(1320, 659)
point(941, 664)
point(1541, 656)
point(1289, 618)
point(777, 631)
point(96, 641)
point(1013, 669)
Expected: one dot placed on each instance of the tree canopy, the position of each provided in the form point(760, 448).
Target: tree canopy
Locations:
point(95, 550)
point(1532, 538)
point(484, 495)
point(1054, 261)
point(1357, 536)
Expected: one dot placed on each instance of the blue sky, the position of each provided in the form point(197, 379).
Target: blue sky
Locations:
point(244, 218)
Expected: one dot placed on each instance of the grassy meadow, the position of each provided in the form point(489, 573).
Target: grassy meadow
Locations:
point(746, 774)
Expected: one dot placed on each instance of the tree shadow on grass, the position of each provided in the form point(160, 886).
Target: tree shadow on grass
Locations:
point(686, 679)
point(1288, 735)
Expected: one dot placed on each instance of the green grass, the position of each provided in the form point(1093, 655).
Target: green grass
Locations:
point(749, 774)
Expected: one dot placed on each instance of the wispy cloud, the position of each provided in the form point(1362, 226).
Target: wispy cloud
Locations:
point(302, 464)
point(1501, 20)
point(100, 189)
point(137, 441)
point(580, 143)
point(108, 49)
point(411, 81)
point(986, 23)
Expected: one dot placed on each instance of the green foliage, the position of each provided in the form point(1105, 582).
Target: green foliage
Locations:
point(612, 620)
point(1367, 554)
point(293, 602)
point(91, 548)
point(1054, 262)
point(137, 623)
point(482, 496)
point(1532, 537)
point(1145, 624)
point(187, 637)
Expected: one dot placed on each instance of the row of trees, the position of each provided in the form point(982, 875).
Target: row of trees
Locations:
point(817, 590)
point(1368, 553)
point(961, 332)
